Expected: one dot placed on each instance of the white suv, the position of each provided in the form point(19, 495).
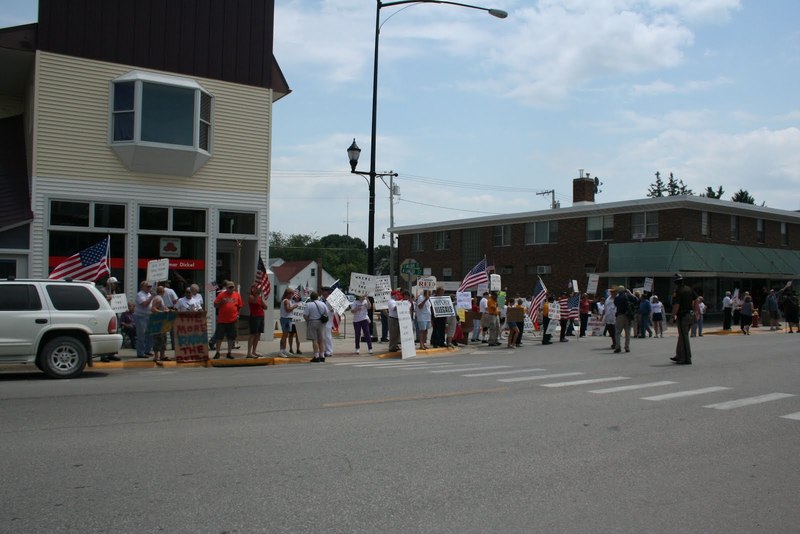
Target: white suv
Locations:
point(56, 324)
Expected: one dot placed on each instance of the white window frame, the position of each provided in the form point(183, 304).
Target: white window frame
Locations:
point(606, 231)
point(647, 228)
point(441, 240)
point(531, 237)
point(501, 235)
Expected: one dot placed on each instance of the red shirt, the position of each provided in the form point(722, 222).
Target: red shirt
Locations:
point(228, 306)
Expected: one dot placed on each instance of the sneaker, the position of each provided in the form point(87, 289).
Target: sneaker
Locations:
point(358, 351)
point(370, 351)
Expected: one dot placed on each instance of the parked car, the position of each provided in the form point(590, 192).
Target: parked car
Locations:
point(58, 325)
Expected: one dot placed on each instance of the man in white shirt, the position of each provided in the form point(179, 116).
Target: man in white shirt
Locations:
point(169, 297)
point(394, 322)
point(727, 311)
point(485, 319)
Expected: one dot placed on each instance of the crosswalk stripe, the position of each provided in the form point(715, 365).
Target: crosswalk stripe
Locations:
point(795, 416)
point(536, 377)
point(730, 405)
point(401, 364)
point(633, 387)
point(471, 369)
point(511, 372)
point(421, 366)
point(584, 382)
point(687, 393)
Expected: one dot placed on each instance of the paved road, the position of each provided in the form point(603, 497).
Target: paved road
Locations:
point(564, 438)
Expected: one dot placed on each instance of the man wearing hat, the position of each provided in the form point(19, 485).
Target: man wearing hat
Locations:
point(683, 301)
point(141, 316)
point(328, 327)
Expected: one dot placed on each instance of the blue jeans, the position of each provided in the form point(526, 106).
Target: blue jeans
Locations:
point(144, 343)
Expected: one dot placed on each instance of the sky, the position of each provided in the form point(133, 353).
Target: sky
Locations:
point(479, 115)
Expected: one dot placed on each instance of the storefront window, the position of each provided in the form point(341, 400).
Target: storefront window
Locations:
point(65, 213)
point(153, 218)
point(109, 215)
point(231, 222)
point(184, 220)
point(189, 268)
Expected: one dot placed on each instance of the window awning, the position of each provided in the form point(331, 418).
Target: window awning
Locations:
point(701, 259)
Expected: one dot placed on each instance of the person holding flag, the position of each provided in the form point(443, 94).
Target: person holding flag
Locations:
point(537, 300)
point(476, 276)
point(257, 302)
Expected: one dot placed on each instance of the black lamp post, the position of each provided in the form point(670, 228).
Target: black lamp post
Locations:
point(353, 152)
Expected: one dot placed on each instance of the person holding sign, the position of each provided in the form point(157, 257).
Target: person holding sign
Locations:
point(141, 315)
point(316, 315)
point(361, 308)
point(157, 305)
point(423, 318)
point(228, 304)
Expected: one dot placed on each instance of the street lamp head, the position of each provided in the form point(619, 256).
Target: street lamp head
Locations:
point(353, 153)
point(499, 13)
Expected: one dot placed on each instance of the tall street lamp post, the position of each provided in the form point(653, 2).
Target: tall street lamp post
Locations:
point(353, 152)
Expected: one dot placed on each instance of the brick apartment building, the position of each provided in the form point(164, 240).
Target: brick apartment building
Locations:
point(718, 245)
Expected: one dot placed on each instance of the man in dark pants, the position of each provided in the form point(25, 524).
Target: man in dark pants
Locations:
point(682, 315)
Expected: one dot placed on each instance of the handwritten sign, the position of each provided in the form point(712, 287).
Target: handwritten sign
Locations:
point(190, 332)
point(442, 307)
point(158, 270)
point(591, 287)
point(648, 285)
point(338, 301)
point(119, 303)
point(464, 300)
point(362, 284)
point(515, 315)
point(383, 283)
point(160, 323)
point(382, 299)
point(408, 346)
point(495, 282)
point(298, 312)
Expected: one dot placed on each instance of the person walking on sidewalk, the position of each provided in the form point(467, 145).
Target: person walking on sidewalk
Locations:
point(228, 304)
point(683, 303)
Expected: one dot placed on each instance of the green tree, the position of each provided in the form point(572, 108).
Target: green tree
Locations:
point(676, 187)
point(743, 196)
point(710, 193)
point(657, 188)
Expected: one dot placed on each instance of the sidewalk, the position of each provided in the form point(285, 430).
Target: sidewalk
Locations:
point(343, 347)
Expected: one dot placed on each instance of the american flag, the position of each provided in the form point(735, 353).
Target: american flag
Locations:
point(539, 294)
point(573, 303)
point(262, 280)
point(476, 276)
point(298, 292)
point(334, 287)
point(88, 264)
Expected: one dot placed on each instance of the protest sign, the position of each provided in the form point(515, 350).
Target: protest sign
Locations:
point(501, 299)
point(464, 300)
point(426, 282)
point(575, 286)
point(362, 284)
point(383, 283)
point(158, 270)
point(442, 307)
point(119, 303)
point(408, 346)
point(515, 315)
point(591, 288)
point(190, 332)
point(297, 313)
point(338, 301)
point(382, 299)
point(482, 288)
point(648, 285)
point(160, 322)
point(495, 282)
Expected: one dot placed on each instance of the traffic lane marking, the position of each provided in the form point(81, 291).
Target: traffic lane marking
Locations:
point(730, 405)
point(633, 387)
point(512, 372)
point(687, 393)
point(584, 382)
point(536, 377)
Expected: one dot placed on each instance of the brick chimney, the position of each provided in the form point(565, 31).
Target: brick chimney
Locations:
point(583, 188)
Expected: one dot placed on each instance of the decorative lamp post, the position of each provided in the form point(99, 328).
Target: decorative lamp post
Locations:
point(354, 152)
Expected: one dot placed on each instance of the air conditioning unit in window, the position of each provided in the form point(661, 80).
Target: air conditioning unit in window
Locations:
point(543, 269)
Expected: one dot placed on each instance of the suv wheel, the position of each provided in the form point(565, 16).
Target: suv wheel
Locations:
point(63, 357)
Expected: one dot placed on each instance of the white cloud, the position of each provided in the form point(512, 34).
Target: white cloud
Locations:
point(660, 87)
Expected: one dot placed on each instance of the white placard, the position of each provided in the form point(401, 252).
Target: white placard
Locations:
point(464, 300)
point(495, 282)
point(426, 282)
point(382, 299)
point(119, 303)
point(362, 284)
point(297, 313)
point(442, 307)
point(383, 283)
point(575, 286)
point(408, 346)
point(482, 288)
point(648, 285)
point(158, 270)
point(591, 287)
point(338, 301)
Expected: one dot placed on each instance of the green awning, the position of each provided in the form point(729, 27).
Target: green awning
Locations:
point(712, 259)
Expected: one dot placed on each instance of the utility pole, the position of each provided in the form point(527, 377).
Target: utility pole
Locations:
point(552, 193)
